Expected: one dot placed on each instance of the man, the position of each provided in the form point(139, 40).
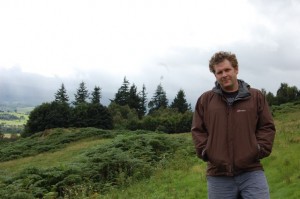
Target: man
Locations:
point(232, 130)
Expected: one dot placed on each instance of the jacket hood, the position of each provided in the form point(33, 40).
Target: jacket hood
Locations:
point(243, 89)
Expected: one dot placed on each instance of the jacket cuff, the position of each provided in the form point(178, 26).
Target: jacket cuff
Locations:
point(204, 155)
point(261, 152)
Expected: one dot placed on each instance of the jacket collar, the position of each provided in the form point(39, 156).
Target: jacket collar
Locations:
point(243, 89)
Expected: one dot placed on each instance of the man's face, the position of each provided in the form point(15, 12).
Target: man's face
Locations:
point(226, 75)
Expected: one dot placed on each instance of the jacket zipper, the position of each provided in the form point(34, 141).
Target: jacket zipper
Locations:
point(230, 139)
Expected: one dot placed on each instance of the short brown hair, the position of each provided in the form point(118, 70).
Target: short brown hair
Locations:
point(219, 57)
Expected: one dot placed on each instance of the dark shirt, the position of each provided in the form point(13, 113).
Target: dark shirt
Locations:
point(230, 96)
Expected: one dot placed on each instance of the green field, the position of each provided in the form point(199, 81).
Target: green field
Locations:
point(92, 163)
point(12, 123)
point(22, 118)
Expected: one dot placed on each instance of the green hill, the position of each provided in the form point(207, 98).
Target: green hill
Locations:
point(93, 163)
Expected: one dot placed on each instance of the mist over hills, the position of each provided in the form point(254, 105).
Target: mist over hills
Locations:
point(17, 87)
point(31, 89)
point(28, 89)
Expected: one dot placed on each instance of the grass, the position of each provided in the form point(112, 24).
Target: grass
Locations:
point(282, 169)
point(182, 176)
point(96, 164)
point(283, 166)
point(168, 184)
point(68, 155)
point(59, 159)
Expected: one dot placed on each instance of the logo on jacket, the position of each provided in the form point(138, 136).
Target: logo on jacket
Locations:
point(241, 110)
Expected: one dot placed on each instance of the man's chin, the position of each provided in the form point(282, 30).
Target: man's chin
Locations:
point(227, 87)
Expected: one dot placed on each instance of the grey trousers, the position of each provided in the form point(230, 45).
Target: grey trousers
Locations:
point(249, 185)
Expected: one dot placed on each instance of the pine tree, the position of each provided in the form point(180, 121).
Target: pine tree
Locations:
point(61, 95)
point(180, 102)
point(133, 98)
point(122, 96)
point(82, 94)
point(143, 101)
point(96, 95)
point(159, 100)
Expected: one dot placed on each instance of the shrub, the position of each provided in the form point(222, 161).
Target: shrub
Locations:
point(48, 140)
point(130, 157)
point(168, 121)
point(47, 116)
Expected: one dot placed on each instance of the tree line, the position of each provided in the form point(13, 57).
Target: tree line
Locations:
point(284, 94)
point(129, 109)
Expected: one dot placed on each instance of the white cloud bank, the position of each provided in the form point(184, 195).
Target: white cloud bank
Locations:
point(100, 42)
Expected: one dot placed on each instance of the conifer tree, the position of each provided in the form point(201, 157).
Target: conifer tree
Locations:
point(122, 96)
point(159, 100)
point(61, 95)
point(82, 94)
point(180, 102)
point(143, 101)
point(96, 95)
point(133, 98)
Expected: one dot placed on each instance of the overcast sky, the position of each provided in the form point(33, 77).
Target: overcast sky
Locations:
point(150, 42)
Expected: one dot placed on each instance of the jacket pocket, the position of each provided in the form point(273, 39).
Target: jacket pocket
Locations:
point(215, 156)
point(246, 158)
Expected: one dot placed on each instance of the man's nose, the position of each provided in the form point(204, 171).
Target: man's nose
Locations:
point(224, 74)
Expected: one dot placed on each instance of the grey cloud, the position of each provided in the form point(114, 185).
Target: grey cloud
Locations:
point(33, 89)
point(263, 65)
point(184, 57)
point(267, 68)
point(19, 87)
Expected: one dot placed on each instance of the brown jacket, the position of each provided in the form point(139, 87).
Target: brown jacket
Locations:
point(233, 138)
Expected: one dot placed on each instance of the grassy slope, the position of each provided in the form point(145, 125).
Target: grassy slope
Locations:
point(181, 177)
point(283, 166)
point(184, 175)
point(51, 159)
